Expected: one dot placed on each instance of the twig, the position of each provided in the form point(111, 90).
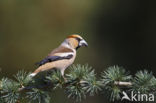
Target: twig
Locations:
point(120, 83)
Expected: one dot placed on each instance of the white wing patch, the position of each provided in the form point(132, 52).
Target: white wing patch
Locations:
point(64, 54)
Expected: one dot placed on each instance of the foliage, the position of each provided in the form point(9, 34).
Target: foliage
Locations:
point(81, 81)
point(144, 82)
point(112, 74)
point(39, 96)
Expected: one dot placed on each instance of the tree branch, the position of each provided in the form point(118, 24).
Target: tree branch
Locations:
point(80, 81)
point(120, 83)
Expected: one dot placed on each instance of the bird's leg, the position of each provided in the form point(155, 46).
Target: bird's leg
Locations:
point(65, 79)
point(62, 72)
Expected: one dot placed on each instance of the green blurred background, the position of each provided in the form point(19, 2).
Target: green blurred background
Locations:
point(119, 32)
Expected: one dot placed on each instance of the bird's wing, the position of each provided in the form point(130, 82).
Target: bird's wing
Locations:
point(60, 49)
point(54, 58)
point(57, 54)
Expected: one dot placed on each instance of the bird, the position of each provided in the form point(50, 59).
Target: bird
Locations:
point(63, 56)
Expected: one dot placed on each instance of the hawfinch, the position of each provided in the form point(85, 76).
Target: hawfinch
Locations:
point(61, 57)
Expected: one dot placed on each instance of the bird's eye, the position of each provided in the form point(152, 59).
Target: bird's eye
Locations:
point(68, 43)
point(78, 39)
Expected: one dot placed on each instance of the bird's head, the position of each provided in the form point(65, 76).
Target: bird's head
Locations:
point(75, 41)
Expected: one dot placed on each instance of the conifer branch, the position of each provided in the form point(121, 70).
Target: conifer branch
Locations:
point(77, 84)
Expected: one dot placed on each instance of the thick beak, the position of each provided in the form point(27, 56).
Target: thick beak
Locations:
point(83, 43)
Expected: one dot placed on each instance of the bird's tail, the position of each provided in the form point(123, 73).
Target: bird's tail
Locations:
point(32, 74)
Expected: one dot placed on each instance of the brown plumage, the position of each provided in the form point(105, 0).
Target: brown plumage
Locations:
point(60, 49)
